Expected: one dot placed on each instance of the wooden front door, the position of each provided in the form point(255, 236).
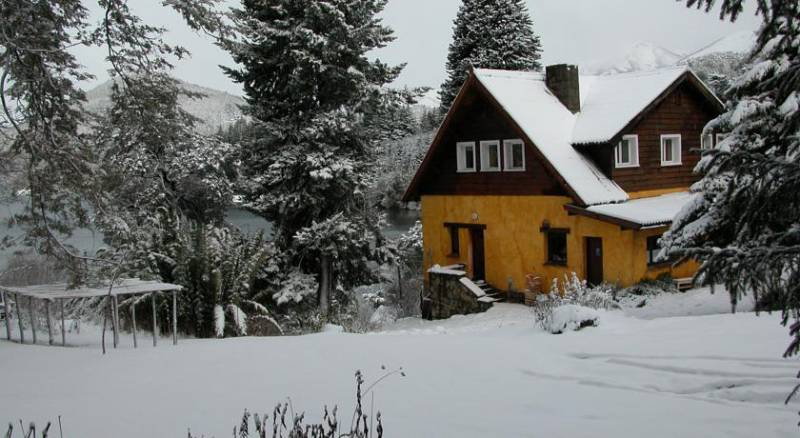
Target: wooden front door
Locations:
point(594, 260)
point(478, 256)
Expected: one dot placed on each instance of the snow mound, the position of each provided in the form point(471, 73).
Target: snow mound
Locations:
point(572, 317)
point(694, 302)
point(383, 315)
point(332, 328)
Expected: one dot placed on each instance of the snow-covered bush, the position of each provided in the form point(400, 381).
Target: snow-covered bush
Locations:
point(638, 294)
point(573, 290)
point(570, 317)
point(296, 287)
point(564, 306)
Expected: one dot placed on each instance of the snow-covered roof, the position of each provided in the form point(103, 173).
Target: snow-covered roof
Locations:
point(657, 210)
point(610, 102)
point(549, 125)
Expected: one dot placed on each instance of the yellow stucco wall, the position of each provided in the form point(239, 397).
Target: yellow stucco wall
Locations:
point(515, 246)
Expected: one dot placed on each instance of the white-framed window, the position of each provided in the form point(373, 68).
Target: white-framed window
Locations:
point(490, 156)
point(513, 155)
point(706, 141)
point(721, 137)
point(465, 155)
point(626, 153)
point(671, 150)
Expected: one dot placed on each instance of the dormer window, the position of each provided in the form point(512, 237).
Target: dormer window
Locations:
point(490, 156)
point(514, 155)
point(626, 153)
point(465, 155)
point(706, 141)
point(671, 150)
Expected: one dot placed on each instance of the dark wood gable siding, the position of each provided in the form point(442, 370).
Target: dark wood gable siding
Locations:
point(686, 112)
point(476, 119)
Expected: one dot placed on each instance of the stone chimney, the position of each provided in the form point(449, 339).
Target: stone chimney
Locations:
point(562, 80)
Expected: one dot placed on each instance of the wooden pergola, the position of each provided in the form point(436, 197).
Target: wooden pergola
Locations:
point(52, 294)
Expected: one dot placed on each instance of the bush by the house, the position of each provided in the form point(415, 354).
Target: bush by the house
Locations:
point(571, 304)
point(571, 317)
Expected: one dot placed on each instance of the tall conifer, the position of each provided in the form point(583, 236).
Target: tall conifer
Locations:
point(309, 83)
point(489, 34)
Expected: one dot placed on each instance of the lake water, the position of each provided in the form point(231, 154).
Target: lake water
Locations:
point(85, 240)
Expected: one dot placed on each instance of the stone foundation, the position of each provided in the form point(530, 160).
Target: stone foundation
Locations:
point(446, 295)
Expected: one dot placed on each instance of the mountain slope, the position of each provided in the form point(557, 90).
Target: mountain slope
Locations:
point(217, 109)
point(641, 57)
point(740, 42)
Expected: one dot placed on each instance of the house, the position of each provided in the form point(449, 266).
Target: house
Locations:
point(533, 176)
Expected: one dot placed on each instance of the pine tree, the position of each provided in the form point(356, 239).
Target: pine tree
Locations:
point(308, 84)
point(489, 34)
point(744, 227)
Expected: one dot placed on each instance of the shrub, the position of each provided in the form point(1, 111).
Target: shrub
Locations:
point(571, 317)
point(572, 304)
point(286, 423)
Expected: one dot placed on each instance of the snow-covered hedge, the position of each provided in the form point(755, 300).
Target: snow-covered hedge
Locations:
point(572, 305)
point(571, 317)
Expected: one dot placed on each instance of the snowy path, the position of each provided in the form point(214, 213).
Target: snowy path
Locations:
point(484, 375)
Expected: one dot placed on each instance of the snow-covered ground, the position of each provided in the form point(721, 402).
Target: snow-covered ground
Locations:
point(492, 374)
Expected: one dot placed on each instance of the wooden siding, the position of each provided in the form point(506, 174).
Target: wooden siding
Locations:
point(477, 119)
point(684, 112)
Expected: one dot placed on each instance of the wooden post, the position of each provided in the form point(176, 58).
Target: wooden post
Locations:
point(7, 310)
point(116, 321)
point(33, 318)
point(19, 319)
point(174, 317)
point(49, 323)
point(155, 322)
point(116, 315)
point(133, 320)
point(63, 326)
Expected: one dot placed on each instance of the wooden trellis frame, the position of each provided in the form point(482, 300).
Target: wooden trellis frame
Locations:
point(58, 293)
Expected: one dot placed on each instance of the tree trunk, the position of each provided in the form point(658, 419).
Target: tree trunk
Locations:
point(324, 284)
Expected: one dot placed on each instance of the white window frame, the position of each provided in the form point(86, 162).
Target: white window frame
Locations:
point(720, 136)
point(508, 155)
point(634, 153)
point(461, 157)
point(676, 156)
point(703, 138)
point(485, 147)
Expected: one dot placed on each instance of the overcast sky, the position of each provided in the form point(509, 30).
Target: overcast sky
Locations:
point(572, 31)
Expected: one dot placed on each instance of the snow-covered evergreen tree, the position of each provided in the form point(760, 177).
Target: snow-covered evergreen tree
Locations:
point(309, 84)
point(744, 226)
point(489, 34)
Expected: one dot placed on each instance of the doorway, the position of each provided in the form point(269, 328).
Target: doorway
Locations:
point(478, 254)
point(594, 260)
